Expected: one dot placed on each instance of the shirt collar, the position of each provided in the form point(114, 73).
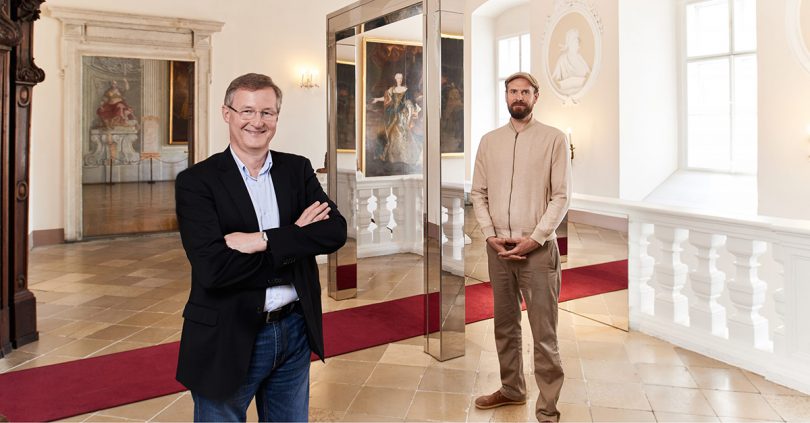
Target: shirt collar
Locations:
point(531, 122)
point(268, 164)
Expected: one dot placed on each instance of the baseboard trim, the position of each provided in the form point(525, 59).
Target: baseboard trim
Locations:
point(615, 223)
point(46, 237)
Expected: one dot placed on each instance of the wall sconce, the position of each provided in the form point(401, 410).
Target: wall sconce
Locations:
point(570, 142)
point(307, 79)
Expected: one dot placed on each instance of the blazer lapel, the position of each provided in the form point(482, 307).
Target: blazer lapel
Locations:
point(232, 179)
point(283, 187)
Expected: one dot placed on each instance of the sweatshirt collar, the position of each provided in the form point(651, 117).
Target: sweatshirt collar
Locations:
point(532, 122)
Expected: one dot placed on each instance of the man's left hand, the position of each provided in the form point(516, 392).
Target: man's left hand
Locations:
point(523, 246)
point(247, 243)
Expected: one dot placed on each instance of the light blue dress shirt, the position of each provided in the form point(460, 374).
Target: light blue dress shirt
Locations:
point(263, 196)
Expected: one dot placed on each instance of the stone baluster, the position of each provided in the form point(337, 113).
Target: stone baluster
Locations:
point(367, 204)
point(418, 217)
point(384, 214)
point(707, 282)
point(670, 276)
point(747, 292)
point(453, 228)
point(444, 221)
point(780, 305)
point(640, 267)
point(391, 203)
point(349, 185)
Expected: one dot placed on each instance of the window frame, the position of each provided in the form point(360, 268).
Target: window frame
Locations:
point(684, 61)
point(499, 83)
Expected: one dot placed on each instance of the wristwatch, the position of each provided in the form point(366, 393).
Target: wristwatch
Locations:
point(264, 236)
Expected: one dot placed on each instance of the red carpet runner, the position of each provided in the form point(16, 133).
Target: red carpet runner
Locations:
point(81, 386)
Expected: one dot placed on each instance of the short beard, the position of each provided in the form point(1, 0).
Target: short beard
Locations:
point(520, 114)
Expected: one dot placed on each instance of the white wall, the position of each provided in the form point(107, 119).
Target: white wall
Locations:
point(511, 22)
point(784, 113)
point(479, 55)
point(595, 120)
point(648, 95)
point(258, 36)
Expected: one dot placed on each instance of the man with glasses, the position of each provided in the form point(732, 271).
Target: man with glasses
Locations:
point(520, 194)
point(252, 221)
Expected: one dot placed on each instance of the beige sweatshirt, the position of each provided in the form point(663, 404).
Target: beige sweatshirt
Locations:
point(522, 182)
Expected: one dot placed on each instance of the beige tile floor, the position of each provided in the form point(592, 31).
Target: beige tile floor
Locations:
point(113, 295)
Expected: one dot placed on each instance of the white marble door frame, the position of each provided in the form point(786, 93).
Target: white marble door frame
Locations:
point(97, 33)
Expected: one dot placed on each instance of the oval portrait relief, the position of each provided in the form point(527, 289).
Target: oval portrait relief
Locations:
point(804, 23)
point(571, 52)
point(797, 24)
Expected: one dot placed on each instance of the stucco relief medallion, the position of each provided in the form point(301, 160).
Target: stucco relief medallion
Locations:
point(572, 49)
point(797, 25)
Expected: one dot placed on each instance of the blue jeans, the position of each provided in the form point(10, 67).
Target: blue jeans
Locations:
point(278, 377)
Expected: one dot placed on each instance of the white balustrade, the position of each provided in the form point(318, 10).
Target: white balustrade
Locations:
point(388, 215)
point(734, 289)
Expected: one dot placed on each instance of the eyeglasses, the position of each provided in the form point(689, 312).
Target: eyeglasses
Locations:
point(248, 114)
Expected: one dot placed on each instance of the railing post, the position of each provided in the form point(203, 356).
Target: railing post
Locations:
point(365, 218)
point(670, 276)
point(707, 282)
point(383, 214)
point(747, 292)
point(640, 267)
point(779, 304)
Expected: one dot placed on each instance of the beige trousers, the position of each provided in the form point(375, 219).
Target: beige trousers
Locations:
point(537, 281)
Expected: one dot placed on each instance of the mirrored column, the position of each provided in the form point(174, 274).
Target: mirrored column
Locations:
point(342, 157)
point(445, 176)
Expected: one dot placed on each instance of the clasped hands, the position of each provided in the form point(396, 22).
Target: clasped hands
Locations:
point(253, 242)
point(513, 249)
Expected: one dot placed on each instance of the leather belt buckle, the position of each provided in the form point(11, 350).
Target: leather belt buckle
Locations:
point(279, 313)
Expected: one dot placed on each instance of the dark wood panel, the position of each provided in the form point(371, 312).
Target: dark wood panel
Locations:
point(18, 77)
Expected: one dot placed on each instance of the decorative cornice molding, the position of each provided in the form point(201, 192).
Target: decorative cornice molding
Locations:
point(130, 20)
point(28, 10)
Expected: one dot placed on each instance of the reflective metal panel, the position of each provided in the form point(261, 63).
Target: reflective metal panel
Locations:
point(393, 130)
point(362, 40)
point(341, 163)
point(589, 240)
point(444, 173)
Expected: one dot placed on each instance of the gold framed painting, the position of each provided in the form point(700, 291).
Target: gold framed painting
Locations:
point(181, 102)
point(393, 111)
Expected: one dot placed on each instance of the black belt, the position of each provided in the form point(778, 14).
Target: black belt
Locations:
point(279, 313)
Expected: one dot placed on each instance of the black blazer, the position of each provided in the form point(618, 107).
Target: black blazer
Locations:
point(225, 307)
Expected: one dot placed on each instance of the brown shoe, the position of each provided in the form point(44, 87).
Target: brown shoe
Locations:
point(496, 399)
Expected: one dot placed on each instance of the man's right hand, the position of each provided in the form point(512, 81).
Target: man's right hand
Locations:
point(314, 213)
point(502, 245)
point(497, 244)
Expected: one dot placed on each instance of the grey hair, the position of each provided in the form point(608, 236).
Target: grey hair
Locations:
point(252, 82)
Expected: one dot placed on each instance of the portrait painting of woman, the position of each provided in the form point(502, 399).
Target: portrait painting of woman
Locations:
point(393, 136)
